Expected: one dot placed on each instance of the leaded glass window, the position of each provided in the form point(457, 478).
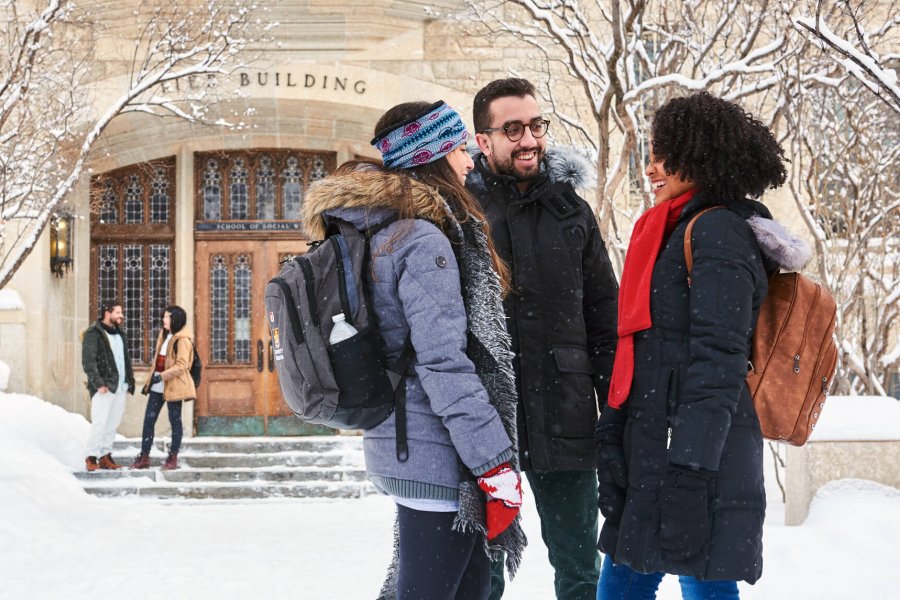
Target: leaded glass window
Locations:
point(265, 189)
point(238, 194)
point(318, 170)
point(132, 240)
point(218, 309)
point(134, 200)
point(109, 207)
point(159, 196)
point(159, 285)
point(133, 300)
point(242, 273)
point(212, 191)
point(261, 185)
point(108, 274)
point(292, 176)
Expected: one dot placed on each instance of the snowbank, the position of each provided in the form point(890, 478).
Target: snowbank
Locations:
point(10, 300)
point(56, 542)
point(4, 376)
point(850, 418)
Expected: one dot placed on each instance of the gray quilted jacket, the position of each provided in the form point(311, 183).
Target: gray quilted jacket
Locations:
point(415, 288)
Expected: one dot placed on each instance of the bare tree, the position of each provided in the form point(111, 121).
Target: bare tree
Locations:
point(50, 117)
point(842, 135)
point(625, 57)
point(604, 65)
point(856, 51)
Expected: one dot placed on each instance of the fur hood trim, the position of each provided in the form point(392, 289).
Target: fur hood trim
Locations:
point(789, 251)
point(368, 189)
point(562, 164)
point(568, 164)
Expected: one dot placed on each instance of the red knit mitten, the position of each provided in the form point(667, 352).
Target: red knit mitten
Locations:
point(503, 487)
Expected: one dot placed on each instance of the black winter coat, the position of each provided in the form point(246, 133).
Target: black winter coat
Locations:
point(98, 362)
point(689, 371)
point(561, 314)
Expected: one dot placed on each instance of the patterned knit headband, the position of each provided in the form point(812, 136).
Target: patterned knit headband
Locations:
point(422, 140)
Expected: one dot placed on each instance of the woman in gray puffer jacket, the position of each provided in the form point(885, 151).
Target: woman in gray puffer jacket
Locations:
point(434, 283)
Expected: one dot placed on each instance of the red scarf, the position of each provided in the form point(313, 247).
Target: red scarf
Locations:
point(647, 238)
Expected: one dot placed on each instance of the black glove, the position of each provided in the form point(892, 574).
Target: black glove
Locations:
point(155, 378)
point(612, 470)
point(612, 474)
point(684, 512)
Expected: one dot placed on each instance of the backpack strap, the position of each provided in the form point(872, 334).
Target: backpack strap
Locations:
point(688, 252)
point(399, 368)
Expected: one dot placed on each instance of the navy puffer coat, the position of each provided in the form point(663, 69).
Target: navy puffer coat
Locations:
point(689, 371)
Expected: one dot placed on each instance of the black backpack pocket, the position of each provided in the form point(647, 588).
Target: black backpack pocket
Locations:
point(366, 395)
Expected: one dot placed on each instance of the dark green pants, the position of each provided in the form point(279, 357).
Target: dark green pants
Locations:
point(567, 505)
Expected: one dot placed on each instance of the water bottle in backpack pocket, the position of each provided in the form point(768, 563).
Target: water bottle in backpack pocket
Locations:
point(345, 384)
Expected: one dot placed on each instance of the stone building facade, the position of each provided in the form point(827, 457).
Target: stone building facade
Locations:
point(199, 216)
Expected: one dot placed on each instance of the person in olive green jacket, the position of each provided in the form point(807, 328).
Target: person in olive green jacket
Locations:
point(104, 357)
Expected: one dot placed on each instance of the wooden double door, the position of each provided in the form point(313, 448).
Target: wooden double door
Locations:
point(239, 394)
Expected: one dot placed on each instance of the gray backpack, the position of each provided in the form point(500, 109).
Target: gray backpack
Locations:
point(347, 385)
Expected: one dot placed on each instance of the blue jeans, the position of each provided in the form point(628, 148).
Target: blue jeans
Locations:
point(620, 582)
point(151, 414)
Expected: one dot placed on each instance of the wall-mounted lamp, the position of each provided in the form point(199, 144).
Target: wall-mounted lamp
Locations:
point(60, 243)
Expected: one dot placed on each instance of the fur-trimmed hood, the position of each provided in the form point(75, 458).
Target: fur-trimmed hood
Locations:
point(561, 164)
point(785, 249)
point(366, 198)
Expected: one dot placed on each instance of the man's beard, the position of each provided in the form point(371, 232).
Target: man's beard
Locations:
point(508, 167)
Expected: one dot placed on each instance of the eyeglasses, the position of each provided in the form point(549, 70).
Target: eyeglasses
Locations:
point(514, 130)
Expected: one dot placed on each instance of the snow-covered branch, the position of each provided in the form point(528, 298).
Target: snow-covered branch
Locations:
point(49, 122)
point(856, 58)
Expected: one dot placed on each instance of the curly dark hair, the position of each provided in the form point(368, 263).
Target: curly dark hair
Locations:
point(724, 150)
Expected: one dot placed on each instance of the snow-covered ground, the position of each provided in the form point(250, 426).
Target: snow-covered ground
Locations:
point(58, 542)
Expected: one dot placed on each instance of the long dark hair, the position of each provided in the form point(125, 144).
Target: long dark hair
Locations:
point(440, 175)
point(177, 319)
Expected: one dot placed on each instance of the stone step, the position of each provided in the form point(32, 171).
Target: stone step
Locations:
point(238, 469)
point(184, 475)
point(229, 460)
point(283, 459)
point(208, 491)
point(247, 444)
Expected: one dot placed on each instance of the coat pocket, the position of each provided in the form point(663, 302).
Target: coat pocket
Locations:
point(572, 359)
point(573, 411)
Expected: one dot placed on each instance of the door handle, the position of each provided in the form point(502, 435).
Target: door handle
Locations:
point(259, 356)
point(271, 356)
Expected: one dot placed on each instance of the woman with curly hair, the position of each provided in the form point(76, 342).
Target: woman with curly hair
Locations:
point(436, 285)
point(679, 448)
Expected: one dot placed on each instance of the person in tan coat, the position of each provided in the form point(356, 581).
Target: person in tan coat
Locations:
point(169, 383)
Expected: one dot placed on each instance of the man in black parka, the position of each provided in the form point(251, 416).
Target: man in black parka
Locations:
point(561, 315)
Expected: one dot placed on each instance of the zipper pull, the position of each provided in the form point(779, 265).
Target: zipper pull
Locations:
point(797, 364)
point(825, 386)
point(668, 438)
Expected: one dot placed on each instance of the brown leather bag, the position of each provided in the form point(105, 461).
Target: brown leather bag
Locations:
point(793, 355)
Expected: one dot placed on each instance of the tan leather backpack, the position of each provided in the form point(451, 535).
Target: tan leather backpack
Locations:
point(793, 355)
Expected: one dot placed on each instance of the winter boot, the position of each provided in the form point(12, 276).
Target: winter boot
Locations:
point(106, 462)
point(171, 463)
point(90, 463)
point(141, 461)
